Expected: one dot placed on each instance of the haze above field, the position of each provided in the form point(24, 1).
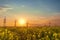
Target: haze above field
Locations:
point(35, 11)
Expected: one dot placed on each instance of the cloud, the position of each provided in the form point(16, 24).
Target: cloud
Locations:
point(4, 9)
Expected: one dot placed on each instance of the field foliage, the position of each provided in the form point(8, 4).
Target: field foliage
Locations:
point(31, 33)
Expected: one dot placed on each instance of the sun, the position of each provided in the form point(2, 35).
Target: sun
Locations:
point(22, 22)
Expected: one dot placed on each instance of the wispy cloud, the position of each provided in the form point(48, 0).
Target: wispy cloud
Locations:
point(4, 9)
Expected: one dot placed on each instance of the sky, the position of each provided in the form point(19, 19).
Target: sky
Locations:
point(38, 11)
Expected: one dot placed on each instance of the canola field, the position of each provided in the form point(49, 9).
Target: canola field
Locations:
point(31, 33)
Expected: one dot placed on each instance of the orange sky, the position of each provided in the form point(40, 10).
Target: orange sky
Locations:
point(33, 20)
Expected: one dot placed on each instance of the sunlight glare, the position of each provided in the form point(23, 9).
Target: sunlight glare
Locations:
point(22, 22)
